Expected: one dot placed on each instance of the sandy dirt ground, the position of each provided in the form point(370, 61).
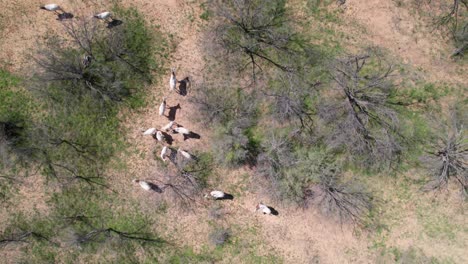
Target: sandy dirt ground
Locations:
point(403, 33)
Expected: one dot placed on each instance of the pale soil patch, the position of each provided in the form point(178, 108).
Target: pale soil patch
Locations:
point(433, 222)
point(405, 35)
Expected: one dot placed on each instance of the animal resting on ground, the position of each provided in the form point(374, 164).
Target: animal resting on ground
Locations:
point(143, 184)
point(104, 15)
point(162, 107)
point(168, 126)
point(172, 80)
point(266, 209)
point(164, 153)
point(150, 131)
point(159, 136)
point(52, 7)
point(219, 195)
point(182, 130)
point(185, 154)
point(55, 8)
point(148, 186)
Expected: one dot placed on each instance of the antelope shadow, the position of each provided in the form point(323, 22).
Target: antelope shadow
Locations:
point(114, 23)
point(169, 138)
point(155, 187)
point(172, 112)
point(64, 16)
point(273, 210)
point(227, 196)
point(192, 135)
point(183, 86)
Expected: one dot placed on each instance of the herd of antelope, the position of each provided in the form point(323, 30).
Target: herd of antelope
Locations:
point(161, 135)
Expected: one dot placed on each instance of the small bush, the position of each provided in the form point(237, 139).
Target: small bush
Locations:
point(220, 236)
point(15, 119)
point(233, 111)
point(423, 93)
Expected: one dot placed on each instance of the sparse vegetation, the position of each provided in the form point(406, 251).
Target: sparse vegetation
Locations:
point(220, 236)
point(300, 106)
point(452, 17)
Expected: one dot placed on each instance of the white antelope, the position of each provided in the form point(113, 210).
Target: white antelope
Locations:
point(172, 80)
point(159, 136)
point(162, 107)
point(146, 186)
point(164, 153)
point(104, 15)
point(51, 7)
point(168, 126)
point(185, 154)
point(150, 131)
point(263, 208)
point(182, 130)
point(216, 195)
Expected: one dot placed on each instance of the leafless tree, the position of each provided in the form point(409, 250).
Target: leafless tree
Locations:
point(22, 237)
point(222, 102)
point(361, 119)
point(65, 157)
point(181, 186)
point(255, 33)
point(101, 234)
point(348, 201)
point(291, 97)
point(459, 28)
point(452, 16)
point(448, 155)
point(277, 156)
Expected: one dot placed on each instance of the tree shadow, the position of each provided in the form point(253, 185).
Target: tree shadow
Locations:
point(64, 16)
point(172, 112)
point(114, 23)
point(192, 135)
point(183, 86)
point(273, 210)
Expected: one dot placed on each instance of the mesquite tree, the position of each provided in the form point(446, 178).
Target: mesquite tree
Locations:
point(447, 157)
point(256, 33)
point(357, 110)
